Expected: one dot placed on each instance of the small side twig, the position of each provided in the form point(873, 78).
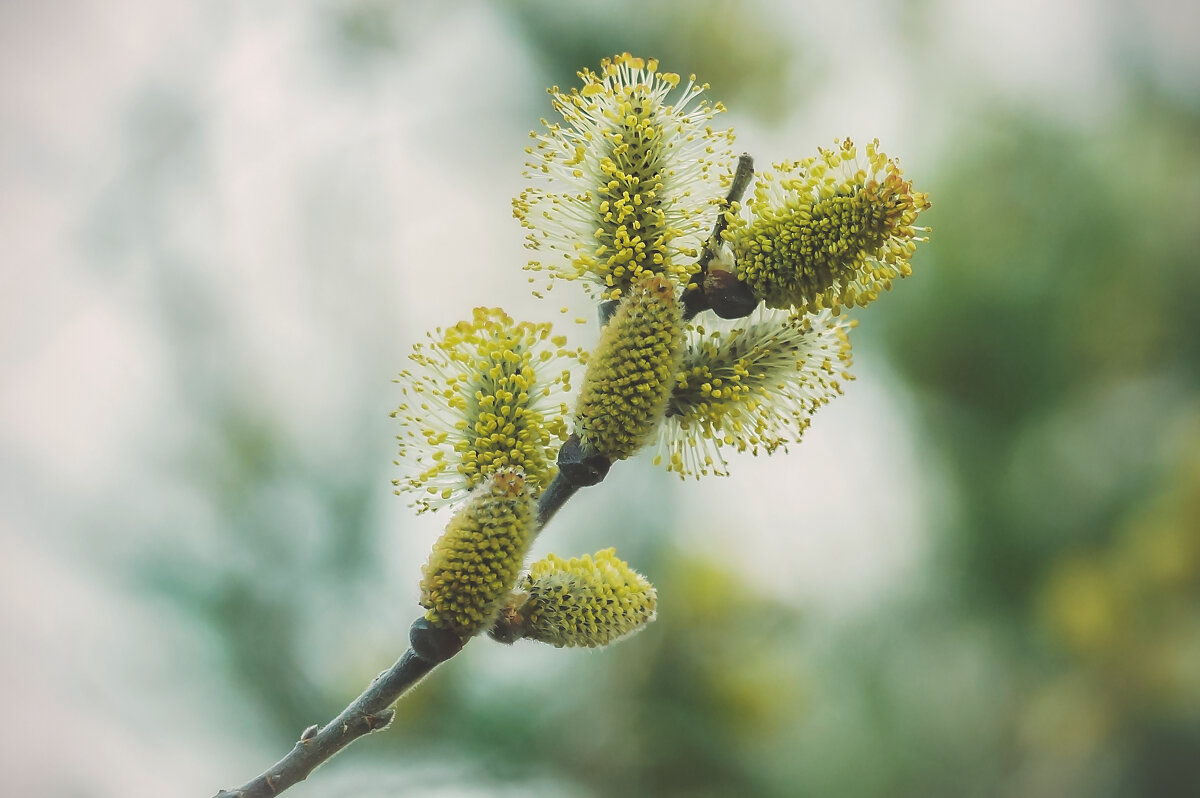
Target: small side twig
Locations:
point(742, 175)
point(694, 299)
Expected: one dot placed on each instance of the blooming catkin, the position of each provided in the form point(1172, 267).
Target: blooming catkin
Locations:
point(624, 186)
point(828, 231)
point(477, 559)
point(585, 601)
point(629, 376)
point(483, 396)
point(751, 384)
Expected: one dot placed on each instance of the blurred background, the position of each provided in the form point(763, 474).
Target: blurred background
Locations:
point(223, 224)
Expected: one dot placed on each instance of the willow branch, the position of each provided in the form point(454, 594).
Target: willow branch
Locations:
point(554, 497)
point(372, 710)
point(368, 713)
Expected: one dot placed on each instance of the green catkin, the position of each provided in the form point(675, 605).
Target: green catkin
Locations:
point(587, 601)
point(476, 561)
point(630, 375)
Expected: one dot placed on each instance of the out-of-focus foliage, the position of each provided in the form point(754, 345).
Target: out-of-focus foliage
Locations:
point(1054, 348)
point(1054, 336)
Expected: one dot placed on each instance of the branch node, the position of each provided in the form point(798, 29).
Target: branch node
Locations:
point(380, 720)
point(433, 644)
point(309, 733)
point(728, 297)
point(581, 465)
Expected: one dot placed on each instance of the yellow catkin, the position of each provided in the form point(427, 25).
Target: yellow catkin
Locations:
point(752, 385)
point(585, 601)
point(622, 188)
point(476, 561)
point(828, 232)
point(483, 396)
point(630, 374)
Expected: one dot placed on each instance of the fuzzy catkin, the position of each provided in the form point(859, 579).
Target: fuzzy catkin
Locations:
point(587, 601)
point(630, 375)
point(476, 561)
point(828, 232)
